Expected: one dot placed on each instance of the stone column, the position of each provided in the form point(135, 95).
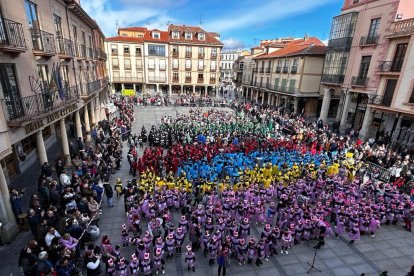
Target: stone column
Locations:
point(397, 130)
point(78, 125)
point(41, 150)
point(87, 124)
point(193, 89)
point(97, 110)
point(122, 86)
point(257, 96)
point(325, 104)
point(263, 96)
point(344, 118)
point(269, 98)
point(295, 105)
point(169, 90)
point(65, 142)
point(92, 104)
point(366, 124)
point(182, 88)
point(9, 227)
point(338, 114)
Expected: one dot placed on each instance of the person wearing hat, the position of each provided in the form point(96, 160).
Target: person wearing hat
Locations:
point(241, 251)
point(134, 265)
point(158, 261)
point(251, 250)
point(190, 258)
point(146, 266)
point(244, 228)
point(170, 245)
point(179, 239)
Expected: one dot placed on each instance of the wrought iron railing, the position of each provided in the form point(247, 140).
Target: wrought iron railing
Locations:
point(89, 52)
point(294, 69)
point(285, 69)
point(31, 107)
point(261, 70)
point(369, 40)
point(127, 79)
point(43, 41)
point(11, 34)
point(338, 79)
point(65, 47)
point(390, 66)
point(278, 69)
point(359, 80)
point(82, 51)
point(267, 70)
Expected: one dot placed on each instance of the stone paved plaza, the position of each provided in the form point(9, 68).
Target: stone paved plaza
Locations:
point(392, 249)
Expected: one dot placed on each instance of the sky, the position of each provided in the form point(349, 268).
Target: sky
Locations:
point(241, 23)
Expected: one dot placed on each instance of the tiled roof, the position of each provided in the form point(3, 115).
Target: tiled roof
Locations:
point(125, 39)
point(163, 36)
point(310, 46)
point(133, 29)
point(209, 37)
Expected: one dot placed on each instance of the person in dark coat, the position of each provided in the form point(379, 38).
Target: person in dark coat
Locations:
point(109, 192)
point(46, 169)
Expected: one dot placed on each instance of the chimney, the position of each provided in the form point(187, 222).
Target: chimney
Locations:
point(306, 37)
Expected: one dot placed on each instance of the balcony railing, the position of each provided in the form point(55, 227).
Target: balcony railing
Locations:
point(380, 100)
point(151, 67)
point(188, 54)
point(176, 80)
point(33, 107)
point(82, 51)
point(337, 79)
point(213, 69)
point(11, 35)
point(95, 54)
point(404, 25)
point(267, 70)
point(369, 40)
point(285, 69)
point(139, 67)
point(115, 67)
point(188, 68)
point(200, 80)
point(294, 69)
point(43, 41)
point(91, 87)
point(201, 55)
point(102, 54)
point(187, 80)
point(128, 79)
point(278, 69)
point(212, 80)
point(89, 53)
point(359, 80)
point(390, 66)
point(65, 47)
point(213, 56)
point(175, 67)
point(201, 68)
point(163, 68)
point(286, 89)
point(261, 70)
point(127, 67)
point(114, 52)
point(155, 79)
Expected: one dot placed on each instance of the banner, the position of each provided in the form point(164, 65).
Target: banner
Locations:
point(128, 93)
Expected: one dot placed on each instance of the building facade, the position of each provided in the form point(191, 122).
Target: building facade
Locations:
point(228, 73)
point(357, 44)
point(289, 77)
point(181, 60)
point(52, 73)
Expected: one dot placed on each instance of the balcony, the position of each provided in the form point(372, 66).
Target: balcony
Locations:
point(261, 70)
point(390, 66)
point(127, 67)
point(213, 56)
point(401, 28)
point(212, 81)
point(95, 54)
point(188, 54)
point(82, 51)
point(267, 70)
point(286, 89)
point(139, 67)
point(201, 55)
point(114, 52)
point(334, 79)
point(285, 70)
point(294, 69)
point(157, 79)
point(43, 43)
point(102, 54)
point(115, 67)
point(187, 80)
point(163, 68)
point(127, 53)
point(369, 40)
point(201, 68)
point(340, 43)
point(381, 100)
point(213, 69)
point(174, 54)
point(90, 88)
point(278, 69)
point(127, 79)
point(359, 81)
point(187, 68)
point(11, 37)
point(151, 67)
point(65, 48)
point(200, 80)
point(175, 80)
point(25, 109)
point(175, 67)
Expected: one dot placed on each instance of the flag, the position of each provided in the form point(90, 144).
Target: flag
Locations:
point(60, 87)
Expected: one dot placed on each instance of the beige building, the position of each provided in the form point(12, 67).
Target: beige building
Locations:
point(194, 58)
point(126, 59)
point(289, 77)
point(51, 73)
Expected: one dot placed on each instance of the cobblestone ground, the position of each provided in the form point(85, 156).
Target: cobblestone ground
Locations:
point(392, 249)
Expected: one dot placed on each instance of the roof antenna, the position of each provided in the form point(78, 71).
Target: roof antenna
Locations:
point(116, 25)
point(201, 21)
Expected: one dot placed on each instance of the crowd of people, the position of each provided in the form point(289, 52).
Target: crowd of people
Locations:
point(64, 213)
point(246, 184)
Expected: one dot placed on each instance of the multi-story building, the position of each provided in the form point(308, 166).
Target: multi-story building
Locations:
point(194, 57)
point(391, 110)
point(357, 44)
point(228, 57)
point(52, 72)
point(289, 77)
point(126, 59)
point(183, 59)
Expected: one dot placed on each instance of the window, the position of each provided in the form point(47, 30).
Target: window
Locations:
point(126, 50)
point(156, 35)
point(175, 50)
point(58, 25)
point(335, 65)
point(399, 56)
point(175, 64)
point(162, 64)
point(200, 76)
point(114, 49)
point(213, 65)
point(411, 100)
point(213, 76)
point(176, 35)
point(201, 36)
point(139, 64)
point(363, 69)
point(138, 51)
point(156, 50)
point(42, 72)
point(188, 35)
point(342, 30)
point(175, 76)
point(188, 76)
point(151, 64)
point(127, 64)
point(115, 64)
point(373, 28)
point(10, 91)
point(188, 64)
point(201, 65)
point(213, 52)
point(276, 82)
point(31, 13)
point(292, 84)
point(64, 72)
point(188, 51)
